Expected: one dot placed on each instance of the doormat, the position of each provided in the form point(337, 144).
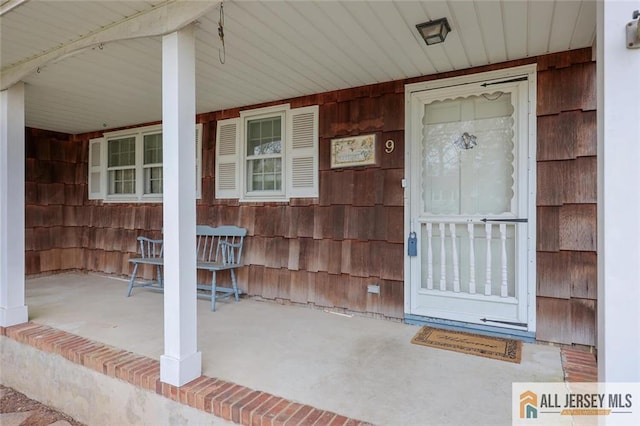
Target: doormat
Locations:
point(475, 344)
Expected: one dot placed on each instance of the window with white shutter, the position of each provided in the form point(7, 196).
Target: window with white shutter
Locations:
point(268, 154)
point(97, 163)
point(126, 165)
point(302, 125)
point(227, 179)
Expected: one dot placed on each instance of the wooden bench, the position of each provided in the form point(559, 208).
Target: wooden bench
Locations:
point(218, 249)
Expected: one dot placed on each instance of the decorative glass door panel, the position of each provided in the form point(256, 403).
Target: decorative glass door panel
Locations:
point(468, 203)
point(468, 152)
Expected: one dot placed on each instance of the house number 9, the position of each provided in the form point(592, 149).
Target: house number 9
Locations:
point(389, 146)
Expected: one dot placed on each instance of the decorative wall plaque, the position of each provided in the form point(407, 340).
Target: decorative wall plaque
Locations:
point(353, 151)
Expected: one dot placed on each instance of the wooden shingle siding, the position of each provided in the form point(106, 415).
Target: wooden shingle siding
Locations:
point(583, 323)
point(578, 176)
point(572, 88)
point(583, 274)
point(54, 188)
point(578, 227)
point(567, 135)
point(325, 251)
point(64, 231)
point(567, 274)
point(554, 320)
point(566, 198)
point(547, 229)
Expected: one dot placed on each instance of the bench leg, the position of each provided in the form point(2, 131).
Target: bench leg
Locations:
point(133, 278)
point(213, 291)
point(235, 285)
point(160, 280)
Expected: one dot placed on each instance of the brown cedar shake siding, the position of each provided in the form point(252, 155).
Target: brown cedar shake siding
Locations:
point(326, 251)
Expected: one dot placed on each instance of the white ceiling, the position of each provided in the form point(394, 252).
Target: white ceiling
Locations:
point(273, 50)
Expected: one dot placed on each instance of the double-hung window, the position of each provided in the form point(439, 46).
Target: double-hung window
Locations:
point(122, 165)
point(268, 154)
point(126, 165)
point(264, 155)
point(152, 163)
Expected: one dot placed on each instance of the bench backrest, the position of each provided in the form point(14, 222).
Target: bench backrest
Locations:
point(222, 244)
point(151, 248)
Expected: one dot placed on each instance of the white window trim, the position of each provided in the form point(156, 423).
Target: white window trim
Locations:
point(300, 157)
point(101, 170)
point(256, 114)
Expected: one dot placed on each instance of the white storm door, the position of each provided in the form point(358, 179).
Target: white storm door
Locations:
point(469, 204)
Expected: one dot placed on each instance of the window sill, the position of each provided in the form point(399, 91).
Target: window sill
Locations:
point(132, 200)
point(282, 199)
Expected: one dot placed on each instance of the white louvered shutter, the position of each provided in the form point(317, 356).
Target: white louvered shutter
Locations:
point(227, 159)
point(302, 152)
point(97, 169)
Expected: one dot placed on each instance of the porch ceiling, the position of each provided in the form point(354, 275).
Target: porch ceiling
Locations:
point(273, 50)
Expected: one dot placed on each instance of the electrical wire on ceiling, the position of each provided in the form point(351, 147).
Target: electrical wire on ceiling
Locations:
point(222, 54)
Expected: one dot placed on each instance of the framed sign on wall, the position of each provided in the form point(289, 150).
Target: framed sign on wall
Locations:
point(353, 151)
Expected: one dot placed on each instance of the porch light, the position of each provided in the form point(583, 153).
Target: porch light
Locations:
point(434, 32)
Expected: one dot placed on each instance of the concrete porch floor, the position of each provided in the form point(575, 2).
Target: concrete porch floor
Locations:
point(359, 367)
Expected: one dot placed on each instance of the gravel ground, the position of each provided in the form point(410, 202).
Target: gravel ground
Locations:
point(18, 410)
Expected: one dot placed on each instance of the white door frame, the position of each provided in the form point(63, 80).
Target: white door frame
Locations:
point(530, 72)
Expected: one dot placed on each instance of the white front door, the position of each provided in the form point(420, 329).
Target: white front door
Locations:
point(470, 202)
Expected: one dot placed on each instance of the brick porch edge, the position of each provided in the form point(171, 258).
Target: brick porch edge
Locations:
point(224, 399)
point(579, 366)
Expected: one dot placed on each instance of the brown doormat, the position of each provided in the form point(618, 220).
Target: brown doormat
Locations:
point(489, 347)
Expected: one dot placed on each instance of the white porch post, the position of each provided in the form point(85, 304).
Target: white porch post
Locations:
point(618, 196)
point(12, 308)
point(181, 361)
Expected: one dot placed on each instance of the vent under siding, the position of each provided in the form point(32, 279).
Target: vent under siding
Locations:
point(303, 131)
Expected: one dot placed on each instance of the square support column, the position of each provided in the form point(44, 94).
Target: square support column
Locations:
point(181, 361)
point(618, 196)
point(12, 177)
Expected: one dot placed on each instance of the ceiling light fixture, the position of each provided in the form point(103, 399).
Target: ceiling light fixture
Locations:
point(434, 32)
